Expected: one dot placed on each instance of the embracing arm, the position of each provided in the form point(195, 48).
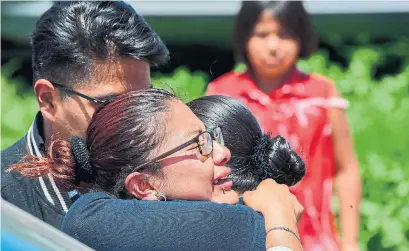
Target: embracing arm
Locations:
point(106, 223)
point(348, 177)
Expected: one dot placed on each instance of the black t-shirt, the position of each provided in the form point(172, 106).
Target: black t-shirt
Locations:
point(106, 223)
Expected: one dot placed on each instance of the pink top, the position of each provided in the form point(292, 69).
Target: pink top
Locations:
point(298, 111)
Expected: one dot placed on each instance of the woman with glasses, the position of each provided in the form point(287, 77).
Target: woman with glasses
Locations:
point(148, 145)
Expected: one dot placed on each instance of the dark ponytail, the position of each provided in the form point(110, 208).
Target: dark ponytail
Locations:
point(254, 156)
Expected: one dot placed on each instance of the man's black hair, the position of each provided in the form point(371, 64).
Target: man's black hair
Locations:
point(72, 35)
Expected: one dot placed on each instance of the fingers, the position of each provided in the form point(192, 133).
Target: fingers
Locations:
point(269, 194)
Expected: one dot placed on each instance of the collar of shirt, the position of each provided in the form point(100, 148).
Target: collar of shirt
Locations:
point(38, 133)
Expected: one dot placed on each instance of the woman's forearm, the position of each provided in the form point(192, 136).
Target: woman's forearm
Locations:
point(281, 233)
point(349, 193)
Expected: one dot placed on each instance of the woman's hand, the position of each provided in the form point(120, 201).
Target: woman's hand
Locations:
point(280, 208)
point(275, 199)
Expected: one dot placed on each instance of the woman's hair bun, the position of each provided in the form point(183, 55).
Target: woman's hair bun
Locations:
point(275, 159)
point(80, 153)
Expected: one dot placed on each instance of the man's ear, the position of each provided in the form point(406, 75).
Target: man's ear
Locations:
point(47, 98)
point(137, 185)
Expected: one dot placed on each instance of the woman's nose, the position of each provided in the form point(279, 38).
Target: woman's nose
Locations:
point(272, 42)
point(221, 155)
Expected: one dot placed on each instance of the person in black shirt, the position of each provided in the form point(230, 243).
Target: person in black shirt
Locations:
point(84, 53)
point(138, 147)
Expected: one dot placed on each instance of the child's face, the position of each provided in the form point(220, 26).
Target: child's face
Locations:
point(271, 49)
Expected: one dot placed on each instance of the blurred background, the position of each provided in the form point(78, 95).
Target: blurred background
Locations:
point(364, 47)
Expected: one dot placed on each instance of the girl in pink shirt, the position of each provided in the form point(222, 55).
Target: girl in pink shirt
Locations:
point(304, 108)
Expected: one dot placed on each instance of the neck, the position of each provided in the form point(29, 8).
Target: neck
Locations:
point(269, 83)
point(47, 132)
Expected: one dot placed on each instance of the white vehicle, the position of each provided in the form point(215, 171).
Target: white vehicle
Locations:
point(22, 231)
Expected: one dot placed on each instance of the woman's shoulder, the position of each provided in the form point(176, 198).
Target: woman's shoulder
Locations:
point(315, 84)
point(228, 77)
point(225, 82)
point(91, 198)
point(322, 80)
point(320, 88)
point(90, 203)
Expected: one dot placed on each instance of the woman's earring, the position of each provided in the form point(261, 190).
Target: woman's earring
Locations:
point(160, 196)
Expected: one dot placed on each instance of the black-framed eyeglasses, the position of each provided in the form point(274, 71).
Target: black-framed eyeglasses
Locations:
point(72, 91)
point(204, 143)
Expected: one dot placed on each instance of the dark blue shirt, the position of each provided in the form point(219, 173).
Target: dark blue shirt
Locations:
point(106, 223)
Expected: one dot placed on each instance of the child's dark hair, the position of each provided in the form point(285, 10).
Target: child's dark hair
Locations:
point(120, 137)
point(291, 14)
point(254, 156)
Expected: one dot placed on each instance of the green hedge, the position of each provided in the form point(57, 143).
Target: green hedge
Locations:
point(18, 106)
point(378, 116)
point(379, 120)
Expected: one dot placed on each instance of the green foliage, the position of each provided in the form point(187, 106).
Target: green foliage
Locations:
point(378, 117)
point(18, 106)
point(183, 83)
